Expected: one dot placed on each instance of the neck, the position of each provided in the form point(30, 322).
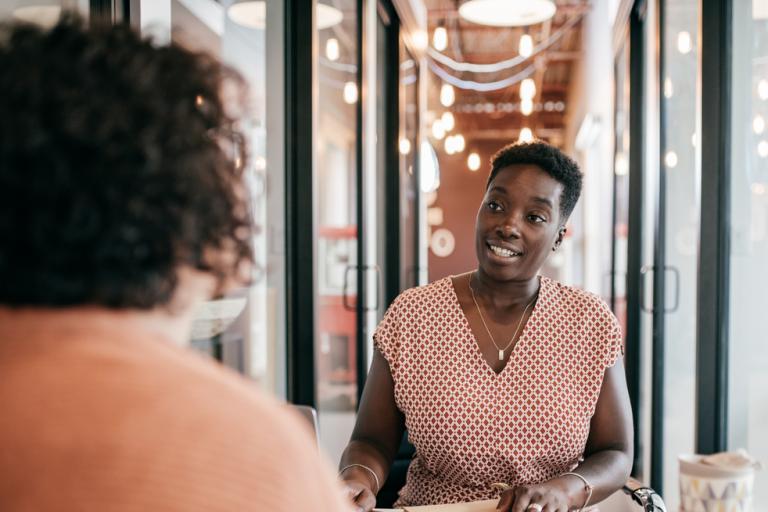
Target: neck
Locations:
point(504, 294)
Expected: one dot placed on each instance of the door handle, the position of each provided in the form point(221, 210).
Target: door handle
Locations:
point(344, 294)
point(675, 304)
point(379, 286)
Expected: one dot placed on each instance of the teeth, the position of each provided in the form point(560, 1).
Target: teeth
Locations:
point(500, 251)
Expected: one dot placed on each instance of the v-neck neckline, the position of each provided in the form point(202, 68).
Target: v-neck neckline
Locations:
point(468, 327)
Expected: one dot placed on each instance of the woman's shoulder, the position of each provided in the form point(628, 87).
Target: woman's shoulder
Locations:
point(577, 299)
point(438, 290)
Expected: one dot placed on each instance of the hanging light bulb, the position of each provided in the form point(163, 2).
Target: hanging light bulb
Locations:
point(669, 89)
point(473, 162)
point(332, 49)
point(670, 159)
point(527, 88)
point(440, 38)
point(447, 95)
point(449, 145)
point(758, 124)
point(438, 130)
point(684, 44)
point(350, 92)
point(404, 146)
point(525, 46)
point(526, 106)
point(526, 135)
point(459, 143)
point(762, 89)
point(762, 149)
point(448, 121)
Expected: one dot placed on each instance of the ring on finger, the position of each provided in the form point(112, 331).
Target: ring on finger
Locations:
point(534, 506)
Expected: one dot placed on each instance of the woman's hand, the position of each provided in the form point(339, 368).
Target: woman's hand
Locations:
point(360, 495)
point(546, 497)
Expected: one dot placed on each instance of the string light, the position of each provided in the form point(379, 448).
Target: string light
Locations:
point(473, 162)
point(525, 46)
point(440, 39)
point(527, 89)
point(762, 149)
point(350, 93)
point(448, 121)
point(526, 106)
point(526, 135)
point(438, 130)
point(404, 146)
point(758, 124)
point(332, 49)
point(762, 89)
point(684, 44)
point(447, 95)
point(461, 144)
point(670, 159)
point(669, 89)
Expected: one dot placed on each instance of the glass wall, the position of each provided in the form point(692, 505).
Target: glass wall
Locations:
point(748, 372)
point(408, 145)
point(338, 189)
point(244, 330)
point(620, 224)
point(680, 185)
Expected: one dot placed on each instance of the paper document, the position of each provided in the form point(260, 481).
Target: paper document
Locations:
point(475, 506)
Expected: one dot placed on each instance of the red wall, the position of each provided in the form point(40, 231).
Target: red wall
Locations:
point(459, 196)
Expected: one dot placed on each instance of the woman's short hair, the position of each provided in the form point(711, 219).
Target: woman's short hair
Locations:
point(117, 168)
point(551, 160)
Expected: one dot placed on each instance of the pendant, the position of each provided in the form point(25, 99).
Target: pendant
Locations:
point(501, 355)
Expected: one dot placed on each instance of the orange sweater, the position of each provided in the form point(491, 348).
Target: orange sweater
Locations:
point(99, 416)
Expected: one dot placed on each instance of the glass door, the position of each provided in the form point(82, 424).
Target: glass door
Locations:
point(337, 220)
point(676, 268)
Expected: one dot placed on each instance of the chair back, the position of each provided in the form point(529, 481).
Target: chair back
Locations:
point(310, 416)
point(633, 497)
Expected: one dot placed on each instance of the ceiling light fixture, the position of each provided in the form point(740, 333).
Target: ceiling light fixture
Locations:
point(447, 95)
point(507, 13)
point(253, 14)
point(525, 46)
point(440, 38)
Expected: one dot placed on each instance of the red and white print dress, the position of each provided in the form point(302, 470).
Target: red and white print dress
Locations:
point(472, 427)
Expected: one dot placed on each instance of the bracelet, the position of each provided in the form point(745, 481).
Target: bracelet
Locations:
point(587, 487)
point(375, 477)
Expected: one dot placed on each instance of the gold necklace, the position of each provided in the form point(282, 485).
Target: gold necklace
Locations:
point(520, 323)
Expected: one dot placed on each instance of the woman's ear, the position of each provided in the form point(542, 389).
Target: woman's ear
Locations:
point(559, 239)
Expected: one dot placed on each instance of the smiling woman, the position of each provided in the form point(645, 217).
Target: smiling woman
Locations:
point(500, 375)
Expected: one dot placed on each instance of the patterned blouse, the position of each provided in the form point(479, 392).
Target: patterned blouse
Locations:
point(471, 426)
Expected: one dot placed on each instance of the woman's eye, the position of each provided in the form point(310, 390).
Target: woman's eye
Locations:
point(536, 218)
point(494, 206)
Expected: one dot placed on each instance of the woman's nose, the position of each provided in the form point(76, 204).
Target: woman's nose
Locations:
point(509, 229)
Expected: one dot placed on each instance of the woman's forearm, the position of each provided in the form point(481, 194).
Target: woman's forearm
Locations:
point(369, 455)
point(605, 470)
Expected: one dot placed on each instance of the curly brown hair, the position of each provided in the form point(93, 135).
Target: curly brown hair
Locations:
point(115, 168)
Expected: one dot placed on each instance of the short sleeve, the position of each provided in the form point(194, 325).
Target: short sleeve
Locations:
point(388, 334)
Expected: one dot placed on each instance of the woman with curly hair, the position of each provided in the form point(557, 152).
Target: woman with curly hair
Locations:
point(122, 208)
